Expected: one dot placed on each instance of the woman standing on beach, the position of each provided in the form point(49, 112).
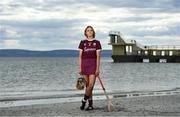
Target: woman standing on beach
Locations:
point(89, 62)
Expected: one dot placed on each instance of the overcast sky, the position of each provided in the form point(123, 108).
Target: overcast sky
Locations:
point(59, 24)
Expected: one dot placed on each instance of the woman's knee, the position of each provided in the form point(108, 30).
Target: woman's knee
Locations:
point(90, 87)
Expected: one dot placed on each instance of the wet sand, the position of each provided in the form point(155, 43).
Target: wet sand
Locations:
point(166, 105)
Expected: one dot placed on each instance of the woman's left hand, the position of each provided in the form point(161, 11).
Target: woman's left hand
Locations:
point(97, 73)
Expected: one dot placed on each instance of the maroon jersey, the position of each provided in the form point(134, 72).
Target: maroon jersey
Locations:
point(89, 48)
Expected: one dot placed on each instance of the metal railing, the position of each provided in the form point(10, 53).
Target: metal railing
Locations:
point(164, 47)
point(130, 41)
point(115, 33)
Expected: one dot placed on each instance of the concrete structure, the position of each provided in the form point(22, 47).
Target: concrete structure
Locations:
point(131, 51)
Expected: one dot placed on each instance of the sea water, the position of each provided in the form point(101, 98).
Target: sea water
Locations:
point(42, 78)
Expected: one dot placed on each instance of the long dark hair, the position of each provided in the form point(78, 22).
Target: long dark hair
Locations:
point(94, 34)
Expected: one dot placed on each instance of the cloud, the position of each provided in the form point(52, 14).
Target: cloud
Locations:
point(45, 34)
point(11, 43)
point(58, 24)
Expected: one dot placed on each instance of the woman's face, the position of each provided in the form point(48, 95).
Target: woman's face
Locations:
point(89, 32)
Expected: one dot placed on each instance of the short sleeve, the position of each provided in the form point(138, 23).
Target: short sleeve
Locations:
point(98, 47)
point(80, 45)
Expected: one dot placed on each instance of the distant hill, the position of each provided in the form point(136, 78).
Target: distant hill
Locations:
point(53, 53)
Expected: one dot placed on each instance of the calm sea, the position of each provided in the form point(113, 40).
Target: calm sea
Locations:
point(22, 78)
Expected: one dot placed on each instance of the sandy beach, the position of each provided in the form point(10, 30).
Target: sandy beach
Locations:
point(165, 105)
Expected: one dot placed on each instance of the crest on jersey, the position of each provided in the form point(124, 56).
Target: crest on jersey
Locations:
point(94, 44)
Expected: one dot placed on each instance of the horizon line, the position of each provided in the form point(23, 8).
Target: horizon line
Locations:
point(41, 50)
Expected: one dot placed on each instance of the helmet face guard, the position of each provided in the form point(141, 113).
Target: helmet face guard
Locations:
point(80, 83)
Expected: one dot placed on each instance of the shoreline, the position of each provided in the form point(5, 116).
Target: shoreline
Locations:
point(159, 105)
point(31, 99)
